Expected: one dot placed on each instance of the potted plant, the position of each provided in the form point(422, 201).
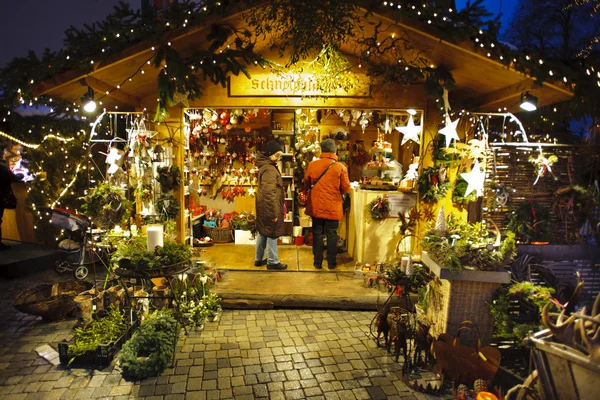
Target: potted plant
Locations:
point(133, 257)
point(96, 343)
point(470, 266)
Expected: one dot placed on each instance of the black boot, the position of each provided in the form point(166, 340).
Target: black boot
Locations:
point(279, 266)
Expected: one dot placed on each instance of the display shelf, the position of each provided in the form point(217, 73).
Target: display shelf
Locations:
point(381, 150)
point(197, 217)
point(289, 198)
point(282, 132)
point(288, 220)
point(287, 155)
point(287, 176)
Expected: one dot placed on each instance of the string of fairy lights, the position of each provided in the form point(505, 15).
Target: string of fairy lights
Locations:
point(429, 15)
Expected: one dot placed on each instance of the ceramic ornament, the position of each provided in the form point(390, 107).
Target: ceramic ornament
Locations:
point(440, 223)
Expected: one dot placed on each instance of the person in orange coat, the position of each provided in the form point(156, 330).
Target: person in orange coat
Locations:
point(325, 201)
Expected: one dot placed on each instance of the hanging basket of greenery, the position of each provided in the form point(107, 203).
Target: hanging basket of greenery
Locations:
point(169, 178)
point(168, 207)
point(379, 208)
point(432, 184)
point(107, 205)
point(530, 222)
point(149, 351)
point(146, 193)
point(458, 193)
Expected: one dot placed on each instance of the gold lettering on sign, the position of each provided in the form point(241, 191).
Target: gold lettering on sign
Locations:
point(302, 85)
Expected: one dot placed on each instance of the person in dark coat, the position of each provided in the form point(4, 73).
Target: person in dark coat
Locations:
point(269, 207)
point(6, 178)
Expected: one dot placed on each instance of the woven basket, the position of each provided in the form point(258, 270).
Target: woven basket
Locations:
point(219, 235)
point(168, 270)
point(51, 301)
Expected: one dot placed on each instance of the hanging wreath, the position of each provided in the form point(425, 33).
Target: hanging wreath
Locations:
point(575, 206)
point(458, 193)
point(433, 184)
point(169, 178)
point(543, 165)
point(530, 222)
point(107, 205)
point(149, 351)
point(168, 207)
point(146, 193)
point(379, 208)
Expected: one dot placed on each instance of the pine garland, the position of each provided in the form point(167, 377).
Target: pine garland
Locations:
point(150, 350)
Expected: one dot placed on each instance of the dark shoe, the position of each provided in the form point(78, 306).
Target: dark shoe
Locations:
point(331, 266)
point(318, 266)
point(279, 266)
point(260, 263)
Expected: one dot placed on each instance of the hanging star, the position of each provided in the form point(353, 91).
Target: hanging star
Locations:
point(410, 131)
point(251, 191)
point(450, 130)
point(474, 179)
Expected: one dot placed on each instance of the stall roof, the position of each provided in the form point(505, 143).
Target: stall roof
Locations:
point(485, 83)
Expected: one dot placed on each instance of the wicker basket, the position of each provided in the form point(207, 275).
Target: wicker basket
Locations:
point(51, 301)
point(219, 235)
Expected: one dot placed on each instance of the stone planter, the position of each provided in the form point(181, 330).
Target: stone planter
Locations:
point(461, 297)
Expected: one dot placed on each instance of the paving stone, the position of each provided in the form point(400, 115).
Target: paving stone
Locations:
point(260, 390)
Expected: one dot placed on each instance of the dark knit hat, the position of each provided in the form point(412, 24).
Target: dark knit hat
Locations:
point(272, 147)
point(328, 146)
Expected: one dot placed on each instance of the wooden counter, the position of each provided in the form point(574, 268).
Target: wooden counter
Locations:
point(371, 241)
point(18, 224)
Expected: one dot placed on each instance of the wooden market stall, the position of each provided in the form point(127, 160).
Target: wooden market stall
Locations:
point(479, 80)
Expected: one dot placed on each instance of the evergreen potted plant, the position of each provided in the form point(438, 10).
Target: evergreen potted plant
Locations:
point(470, 266)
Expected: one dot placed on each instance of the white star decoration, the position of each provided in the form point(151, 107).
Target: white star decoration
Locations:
point(474, 179)
point(410, 131)
point(450, 130)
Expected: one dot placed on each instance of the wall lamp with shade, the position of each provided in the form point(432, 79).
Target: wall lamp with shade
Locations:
point(89, 105)
point(528, 102)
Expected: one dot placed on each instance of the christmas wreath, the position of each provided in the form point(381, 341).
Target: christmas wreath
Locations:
point(379, 208)
point(168, 206)
point(432, 184)
point(149, 351)
point(107, 205)
point(530, 222)
point(169, 178)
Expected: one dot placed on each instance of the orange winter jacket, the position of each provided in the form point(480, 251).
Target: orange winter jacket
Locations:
point(326, 195)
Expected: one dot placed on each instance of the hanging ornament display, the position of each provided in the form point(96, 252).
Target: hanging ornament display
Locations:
point(433, 184)
point(450, 130)
point(410, 131)
point(543, 164)
point(379, 208)
point(475, 180)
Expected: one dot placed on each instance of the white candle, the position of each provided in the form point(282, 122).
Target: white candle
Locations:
point(133, 230)
point(155, 237)
point(404, 263)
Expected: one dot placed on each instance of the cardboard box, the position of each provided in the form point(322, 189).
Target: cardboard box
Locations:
point(244, 237)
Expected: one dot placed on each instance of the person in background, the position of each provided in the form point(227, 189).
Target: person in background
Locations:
point(270, 198)
point(6, 179)
point(325, 206)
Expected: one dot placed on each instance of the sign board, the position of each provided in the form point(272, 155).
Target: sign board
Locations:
point(299, 85)
point(401, 202)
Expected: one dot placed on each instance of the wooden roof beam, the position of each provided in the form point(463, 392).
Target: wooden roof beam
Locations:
point(117, 94)
point(508, 94)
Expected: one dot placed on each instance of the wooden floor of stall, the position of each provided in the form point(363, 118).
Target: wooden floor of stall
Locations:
point(240, 257)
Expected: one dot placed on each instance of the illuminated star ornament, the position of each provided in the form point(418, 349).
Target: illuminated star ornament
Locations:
point(450, 130)
point(474, 179)
point(410, 131)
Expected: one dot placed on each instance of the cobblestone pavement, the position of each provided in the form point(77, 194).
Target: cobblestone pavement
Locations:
point(276, 354)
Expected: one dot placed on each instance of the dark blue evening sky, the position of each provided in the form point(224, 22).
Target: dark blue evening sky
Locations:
point(37, 24)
